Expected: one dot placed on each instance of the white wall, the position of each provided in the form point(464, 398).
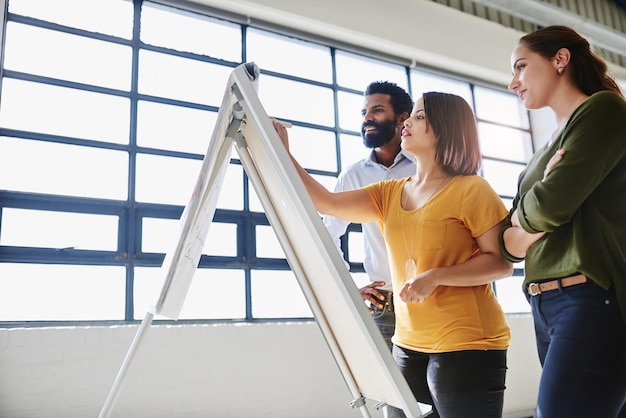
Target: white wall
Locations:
point(228, 371)
point(261, 370)
point(420, 30)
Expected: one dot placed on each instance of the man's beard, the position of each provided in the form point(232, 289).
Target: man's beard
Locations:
point(385, 131)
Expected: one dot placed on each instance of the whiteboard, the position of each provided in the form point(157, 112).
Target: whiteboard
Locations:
point(346, 324)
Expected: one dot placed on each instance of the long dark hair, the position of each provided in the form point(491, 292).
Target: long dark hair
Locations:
point(588, 70)
point(454, 125)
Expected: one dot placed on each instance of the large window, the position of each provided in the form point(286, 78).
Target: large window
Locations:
point(104, 121)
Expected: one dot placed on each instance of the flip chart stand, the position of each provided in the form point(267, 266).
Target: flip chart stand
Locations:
point(352, 336)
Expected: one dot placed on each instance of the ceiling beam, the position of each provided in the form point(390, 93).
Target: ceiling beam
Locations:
point(546, 14)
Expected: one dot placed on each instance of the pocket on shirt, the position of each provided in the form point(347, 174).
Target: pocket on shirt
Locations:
point(432, 235)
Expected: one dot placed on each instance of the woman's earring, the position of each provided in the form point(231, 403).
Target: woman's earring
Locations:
point(560, 70)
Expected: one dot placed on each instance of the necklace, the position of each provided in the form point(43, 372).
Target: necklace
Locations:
point(410, 267)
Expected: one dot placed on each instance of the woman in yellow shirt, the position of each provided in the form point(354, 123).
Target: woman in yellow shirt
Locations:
point(441, 231)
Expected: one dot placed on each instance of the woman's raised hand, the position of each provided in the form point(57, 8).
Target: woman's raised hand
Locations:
point(282, 132)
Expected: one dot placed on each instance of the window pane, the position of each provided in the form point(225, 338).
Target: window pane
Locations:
point(313, 148)
point(111, 17)
point(289, 55)
point(267, 244)
point(356, 247)
point(508, 203)
point(159, 235)
point(67, 57)
point(422, 82)
point(216, 294)
point(511, 296)
point(190, 32)
point(36, 228)
point(201, 301)
point(147, 287)
point(255, 203)
point(360, 280)
point(350, 106)
point(44, 167)
point(221, 240)
point(52, 292)
point(352, 150)
point(505, 143)
point(357, 71)
point(326, 181)
point(502, 176)
point(270, 286)
point(231, 194)
point(162, 235)
point(174, 128)
point(181, 78)
point(500, 107)
point(64, 111)
point(166, 179)
point(284, 99)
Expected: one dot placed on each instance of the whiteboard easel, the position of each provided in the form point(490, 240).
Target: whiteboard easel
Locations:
point(351, 334)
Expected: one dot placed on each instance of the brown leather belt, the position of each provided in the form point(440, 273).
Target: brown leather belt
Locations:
point(535, 289)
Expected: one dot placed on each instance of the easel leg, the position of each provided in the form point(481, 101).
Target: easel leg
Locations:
point(121, 375)
point(360, 403)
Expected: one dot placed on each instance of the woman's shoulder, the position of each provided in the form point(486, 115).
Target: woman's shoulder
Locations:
point(606, 94)
point(606, 107)
point(470, 180)
point(472, 185)
point(607, 98)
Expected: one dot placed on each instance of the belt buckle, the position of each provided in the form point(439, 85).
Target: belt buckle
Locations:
point(533, 289)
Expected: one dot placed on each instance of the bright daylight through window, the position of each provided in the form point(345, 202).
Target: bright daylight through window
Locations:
point(104, 121)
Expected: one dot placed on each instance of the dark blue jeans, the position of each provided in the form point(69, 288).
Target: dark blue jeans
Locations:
point(581, 341)
point(386, 322)
point(460, 384)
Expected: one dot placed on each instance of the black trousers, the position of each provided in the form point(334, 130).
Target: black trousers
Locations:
point(460, 384)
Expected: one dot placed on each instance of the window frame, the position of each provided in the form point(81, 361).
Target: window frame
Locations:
point(131, 213)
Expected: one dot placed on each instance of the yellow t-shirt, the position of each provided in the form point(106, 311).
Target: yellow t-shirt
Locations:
point(442, 233)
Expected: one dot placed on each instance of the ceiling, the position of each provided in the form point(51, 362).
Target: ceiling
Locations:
point(602, 22)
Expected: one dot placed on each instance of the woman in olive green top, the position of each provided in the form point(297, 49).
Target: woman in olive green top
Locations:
point(568, 223)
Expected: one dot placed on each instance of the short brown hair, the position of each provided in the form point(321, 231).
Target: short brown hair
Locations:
point(454, 125)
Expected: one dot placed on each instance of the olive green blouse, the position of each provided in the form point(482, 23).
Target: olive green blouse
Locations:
point(582, 202)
